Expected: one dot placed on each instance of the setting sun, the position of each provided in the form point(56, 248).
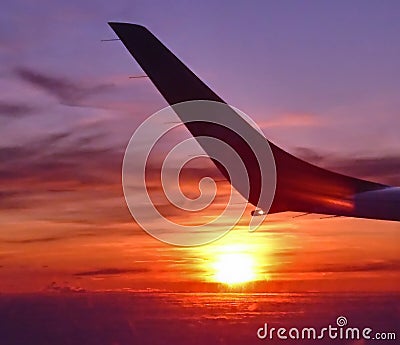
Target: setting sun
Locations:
point(233, 268)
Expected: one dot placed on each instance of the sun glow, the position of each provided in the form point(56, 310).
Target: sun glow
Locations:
point(234, 268)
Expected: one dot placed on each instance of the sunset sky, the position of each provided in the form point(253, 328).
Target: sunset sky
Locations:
point(321, 79)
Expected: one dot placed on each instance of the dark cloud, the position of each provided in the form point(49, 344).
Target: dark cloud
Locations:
point(60, 171)
point(309, 155)
point(49, 159)
point(12, 199)
point(33, 240)
point(67, 92)
point(111, 271)
point(373, 266)
point(15, 110)
point(380, 169)
point(383, 169)
point(47, 239)
point(66, 178)
point(66, 288)
point(28, 152)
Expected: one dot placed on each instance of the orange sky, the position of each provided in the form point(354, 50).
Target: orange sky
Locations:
point(81, 236)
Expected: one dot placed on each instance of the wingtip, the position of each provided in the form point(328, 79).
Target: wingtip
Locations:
point(116, 25)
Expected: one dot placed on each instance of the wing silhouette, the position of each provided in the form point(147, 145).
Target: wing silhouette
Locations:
point(300, 186)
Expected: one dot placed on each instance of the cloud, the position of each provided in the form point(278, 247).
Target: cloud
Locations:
point(47, 239)
point(309, 155)
point(384, 169)
point(15, 110)
point(66, 91)
point(73, 177)
point(33, 240)
point(372, 266)
point(12, 199)
point(54, 159)
point(66, 288)
point(64, 177)
point(293, 120)
point(111, 272)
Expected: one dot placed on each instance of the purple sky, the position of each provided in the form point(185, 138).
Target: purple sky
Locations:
point(321, 78)
point(333, 67)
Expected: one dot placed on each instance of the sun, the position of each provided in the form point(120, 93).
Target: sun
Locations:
point(234, 268)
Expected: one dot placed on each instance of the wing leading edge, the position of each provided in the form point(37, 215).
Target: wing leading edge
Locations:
point(300, 186)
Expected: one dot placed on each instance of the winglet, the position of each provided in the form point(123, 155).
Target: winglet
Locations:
point(172, 78)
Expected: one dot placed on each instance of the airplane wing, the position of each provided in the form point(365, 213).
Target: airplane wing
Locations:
point(300, 186)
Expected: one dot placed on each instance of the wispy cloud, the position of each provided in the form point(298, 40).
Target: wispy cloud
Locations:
point(32, 240)
point(385, 169)
point(54, 158)
point(67, 92)
point(60, 171)
point(293, 120)
point(111, 272)
point(15, 110)
point(375, 266)
point(369, 266)
point(66, 288)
